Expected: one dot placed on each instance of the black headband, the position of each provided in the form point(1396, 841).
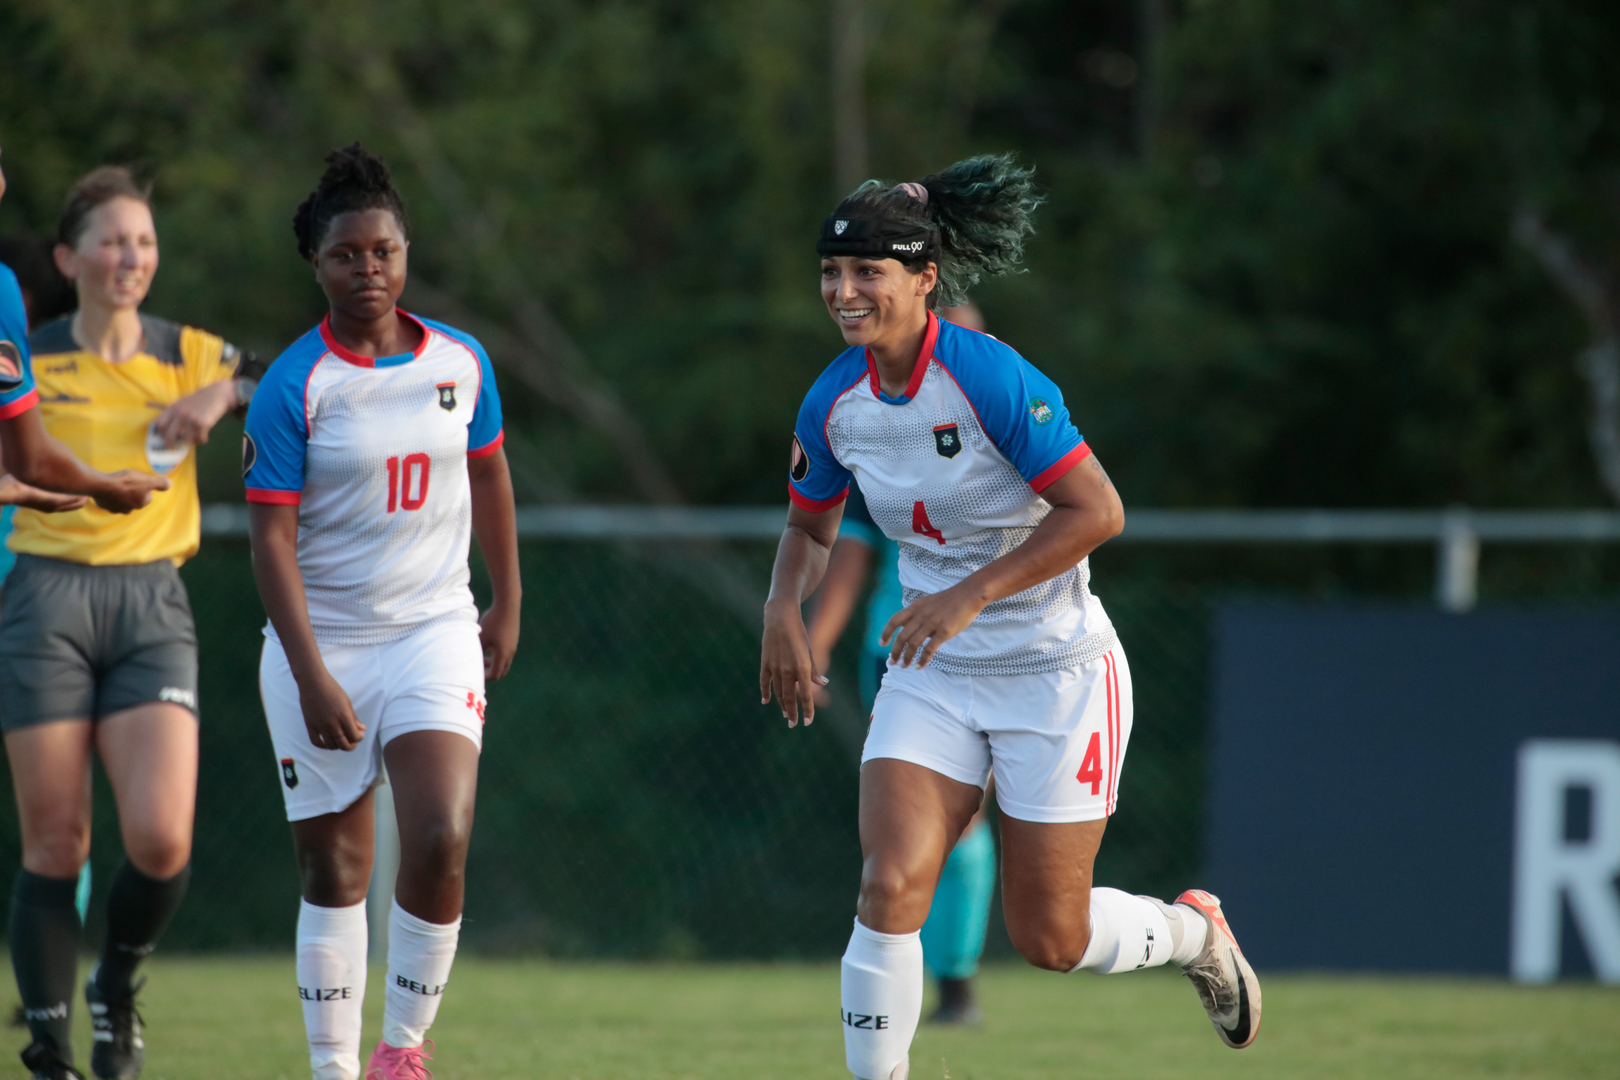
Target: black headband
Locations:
point(877, 238)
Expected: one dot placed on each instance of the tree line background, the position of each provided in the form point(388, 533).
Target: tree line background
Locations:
point(1293, 254)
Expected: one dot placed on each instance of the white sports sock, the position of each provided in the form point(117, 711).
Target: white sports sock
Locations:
point(882, 991)
point(332, 985)
point(1127, 932)
point(1194, 933)
point(419, 957)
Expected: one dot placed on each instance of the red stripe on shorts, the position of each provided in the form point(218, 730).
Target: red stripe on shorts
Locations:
point(1113, 732)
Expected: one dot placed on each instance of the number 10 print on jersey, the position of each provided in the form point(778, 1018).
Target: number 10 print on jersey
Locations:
point(378, 556)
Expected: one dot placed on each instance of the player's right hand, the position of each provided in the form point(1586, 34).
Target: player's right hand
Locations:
point(328, 713)
point(786, 666)
point(129, 489)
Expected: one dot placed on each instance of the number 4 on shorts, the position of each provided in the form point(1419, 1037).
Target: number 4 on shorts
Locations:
point(1091, 765)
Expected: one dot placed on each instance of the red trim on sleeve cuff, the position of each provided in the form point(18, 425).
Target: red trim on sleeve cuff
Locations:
point(489, 447)
point(274, 498)
point(816, 506)
point(1055, 472)
point(20, 406)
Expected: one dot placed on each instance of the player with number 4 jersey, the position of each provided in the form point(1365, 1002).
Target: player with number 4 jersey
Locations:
point(372, 456)
point(1002, 661)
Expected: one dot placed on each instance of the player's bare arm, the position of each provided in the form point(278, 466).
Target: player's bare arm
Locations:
point(327, 711)
point(835, 601)
point(190, 419)
point(786, 665)
point(1086, 511)
point(494, 522)
point(37, 459)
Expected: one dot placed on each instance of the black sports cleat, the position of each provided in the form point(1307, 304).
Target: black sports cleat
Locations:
point(956, 1005)
point(44, 1063)
point(118, 1051)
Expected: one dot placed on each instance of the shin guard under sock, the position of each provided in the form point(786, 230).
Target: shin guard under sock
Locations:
point(332, 986)
point(45, 956)
point(420, 954)
point(882, 992)
point(139, 909)
point(1127, 932)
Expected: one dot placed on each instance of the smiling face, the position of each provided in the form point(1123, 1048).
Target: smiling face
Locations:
point(361, 263)
point(113, 262)
point(875, 300)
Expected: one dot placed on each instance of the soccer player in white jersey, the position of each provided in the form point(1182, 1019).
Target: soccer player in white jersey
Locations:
point(1002, 661)
point(373, 452)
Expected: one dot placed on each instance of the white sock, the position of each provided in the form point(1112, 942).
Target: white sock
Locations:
point(1191, 933)
point(332, 985)
point(419, 957)
point(1127, 932)
point(882, 991)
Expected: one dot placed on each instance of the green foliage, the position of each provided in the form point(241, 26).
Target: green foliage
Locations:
point(1275, 267)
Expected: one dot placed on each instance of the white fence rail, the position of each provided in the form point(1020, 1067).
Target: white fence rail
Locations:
point(1456, 533)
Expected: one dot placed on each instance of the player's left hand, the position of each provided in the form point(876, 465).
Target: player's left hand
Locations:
point(14, 492)
point(190, 419)
point(916, 632)
point(498, 630)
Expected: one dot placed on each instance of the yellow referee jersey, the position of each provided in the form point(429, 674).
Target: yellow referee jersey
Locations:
point(104, 413)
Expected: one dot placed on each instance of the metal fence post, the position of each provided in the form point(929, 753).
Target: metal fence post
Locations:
point(1456, 584)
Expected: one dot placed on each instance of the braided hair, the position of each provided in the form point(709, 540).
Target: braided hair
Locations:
point(355, 179)
point(980, 210)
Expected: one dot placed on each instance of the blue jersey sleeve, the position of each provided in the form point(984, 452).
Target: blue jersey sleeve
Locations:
point(1021, 409)
point(17, 394)
point(485, 432)
point(277, 429)
point(816, 481)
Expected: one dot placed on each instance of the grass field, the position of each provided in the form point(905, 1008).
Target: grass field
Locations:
point(239, 1018)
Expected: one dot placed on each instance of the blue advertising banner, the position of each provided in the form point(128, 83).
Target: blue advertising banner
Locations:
point(1397, 789)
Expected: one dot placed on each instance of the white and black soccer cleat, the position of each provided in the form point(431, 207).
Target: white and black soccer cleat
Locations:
point(1225, 982)
point(117, 1051)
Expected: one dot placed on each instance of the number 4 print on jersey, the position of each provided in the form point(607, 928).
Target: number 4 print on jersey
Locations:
point(922, 526)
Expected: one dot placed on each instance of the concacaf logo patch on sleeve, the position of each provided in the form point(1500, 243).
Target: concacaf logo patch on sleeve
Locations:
point(11, 371)
point(799, 465)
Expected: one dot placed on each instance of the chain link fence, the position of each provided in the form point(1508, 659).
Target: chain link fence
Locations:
point(635, 798)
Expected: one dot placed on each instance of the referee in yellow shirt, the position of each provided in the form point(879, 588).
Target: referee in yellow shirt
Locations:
point(97, 647)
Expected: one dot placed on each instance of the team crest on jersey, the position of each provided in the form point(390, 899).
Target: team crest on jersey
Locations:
point(799, 465)
point(1040, 411)
point(447, 396)
point(289, 772)
point(947, 440)
point(11, 370)
point(250, 452)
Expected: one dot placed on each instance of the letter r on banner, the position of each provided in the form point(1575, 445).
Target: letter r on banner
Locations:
point(1547, 866)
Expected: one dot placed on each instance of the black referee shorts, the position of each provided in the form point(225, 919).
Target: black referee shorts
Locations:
point(84, 642)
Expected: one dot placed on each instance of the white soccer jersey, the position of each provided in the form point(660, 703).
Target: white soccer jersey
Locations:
point(373, 452)
point(952, 471)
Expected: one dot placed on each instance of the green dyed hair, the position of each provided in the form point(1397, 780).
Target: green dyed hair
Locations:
point(981, 207)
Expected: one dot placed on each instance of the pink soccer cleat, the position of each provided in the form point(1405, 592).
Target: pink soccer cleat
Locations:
point(394, 1063)
point(1225, 982)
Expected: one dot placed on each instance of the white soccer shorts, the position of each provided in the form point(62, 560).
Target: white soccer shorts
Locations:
point(430, 680)
point(1054, 740)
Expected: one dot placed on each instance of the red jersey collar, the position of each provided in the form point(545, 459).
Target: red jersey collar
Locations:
point(338, 350)
point(918, 370)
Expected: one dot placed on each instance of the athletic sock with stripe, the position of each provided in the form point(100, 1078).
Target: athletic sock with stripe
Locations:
point(332, 986)
point(1127, 933)
point(45, 956)
point(882, 992)
point(420, 954)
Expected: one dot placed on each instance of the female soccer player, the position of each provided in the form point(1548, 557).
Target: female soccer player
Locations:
point(953, 935)
point(372, 451)
point(1002, 661)
point(97, 648)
